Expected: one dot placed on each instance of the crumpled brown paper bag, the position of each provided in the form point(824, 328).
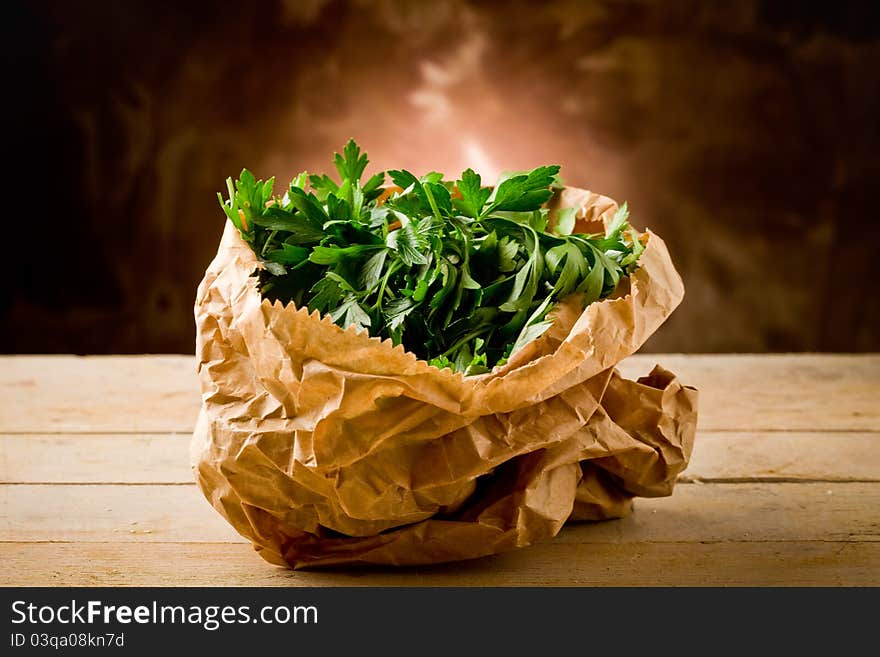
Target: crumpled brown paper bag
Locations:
point(325, 446)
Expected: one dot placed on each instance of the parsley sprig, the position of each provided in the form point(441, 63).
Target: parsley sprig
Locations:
point(461, 274)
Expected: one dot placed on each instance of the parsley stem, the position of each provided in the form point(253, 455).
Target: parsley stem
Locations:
point(391, 269)
point(269, 241)
point(432, 202)
point(467, 338)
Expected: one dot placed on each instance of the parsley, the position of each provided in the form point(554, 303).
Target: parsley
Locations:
point(461, 274)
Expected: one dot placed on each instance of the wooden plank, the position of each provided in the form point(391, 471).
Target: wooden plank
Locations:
point(694, 513)
point(744, 512)
point(95, 458)
point(742, 563)
point(785, 456)
point(772, 392)
point(151, 513)
point(52, 394)
point(96, 394)
point(164, 458)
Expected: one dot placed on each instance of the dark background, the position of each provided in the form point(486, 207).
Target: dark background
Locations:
point(744, 133)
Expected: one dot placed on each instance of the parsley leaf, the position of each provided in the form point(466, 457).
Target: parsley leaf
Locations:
point(473, 196)
point(351, 163)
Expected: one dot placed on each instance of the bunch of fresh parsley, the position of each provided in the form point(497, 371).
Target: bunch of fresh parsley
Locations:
point(461, 274)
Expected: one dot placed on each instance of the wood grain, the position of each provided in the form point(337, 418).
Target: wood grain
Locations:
point(777, 392)
point(92, 394)
point(727, 563)
point(695, 512)
point(116, 513)
point(95, 458)
point(96, 394)
point(783, 486)
point(785, 456)
point(164, 458)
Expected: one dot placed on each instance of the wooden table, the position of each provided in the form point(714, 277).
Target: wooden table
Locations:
point(783, 488)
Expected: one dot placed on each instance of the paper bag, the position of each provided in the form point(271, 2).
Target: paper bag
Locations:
point(325, 446)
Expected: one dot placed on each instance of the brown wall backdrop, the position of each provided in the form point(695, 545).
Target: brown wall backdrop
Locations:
point(744, 133)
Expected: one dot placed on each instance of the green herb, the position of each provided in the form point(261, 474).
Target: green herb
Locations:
point(461, 274)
